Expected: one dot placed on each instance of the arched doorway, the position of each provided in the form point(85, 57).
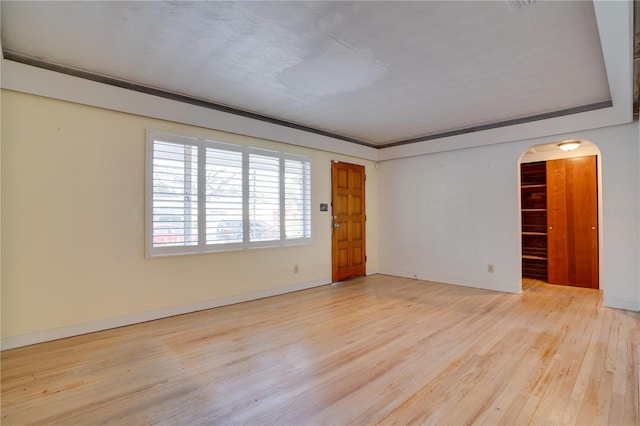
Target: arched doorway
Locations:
point(561, 214)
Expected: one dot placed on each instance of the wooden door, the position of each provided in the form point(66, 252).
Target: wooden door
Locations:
point(348, 221)
point(572, 220)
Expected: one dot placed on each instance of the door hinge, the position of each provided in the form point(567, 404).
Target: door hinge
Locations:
point(365, 258)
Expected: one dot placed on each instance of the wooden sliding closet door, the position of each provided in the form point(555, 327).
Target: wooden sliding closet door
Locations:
point(572, 221)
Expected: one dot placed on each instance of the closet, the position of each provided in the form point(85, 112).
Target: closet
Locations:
point(560, 221)
point(534, 220)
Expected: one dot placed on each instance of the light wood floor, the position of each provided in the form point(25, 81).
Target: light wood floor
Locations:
point(373, 350)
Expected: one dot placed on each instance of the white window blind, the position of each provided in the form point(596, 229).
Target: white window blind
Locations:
point(207, 196)
point(264, 197)
point(223, 196)
point(174, 194)
point(297, 198)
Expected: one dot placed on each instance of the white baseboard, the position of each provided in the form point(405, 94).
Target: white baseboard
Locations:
point(622, 304)
point(504, 288)
point(93, 326)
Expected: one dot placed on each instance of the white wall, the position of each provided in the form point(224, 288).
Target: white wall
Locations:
point(620, 192)
point(73, 243)
point(448, 215)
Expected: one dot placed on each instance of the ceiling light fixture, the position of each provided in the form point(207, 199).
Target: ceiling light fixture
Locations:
point(569, 145)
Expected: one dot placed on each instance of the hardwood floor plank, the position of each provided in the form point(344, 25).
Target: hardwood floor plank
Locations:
point(375, 350)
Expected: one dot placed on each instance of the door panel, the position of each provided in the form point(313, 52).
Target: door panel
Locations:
point(584, 198)
point(557, 244)
point(356, 204)
point(348, 213)
point(572, 200)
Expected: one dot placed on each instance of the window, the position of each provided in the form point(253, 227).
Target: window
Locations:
point(205, 196)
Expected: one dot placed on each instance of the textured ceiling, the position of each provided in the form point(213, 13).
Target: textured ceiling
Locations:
point(375, 72)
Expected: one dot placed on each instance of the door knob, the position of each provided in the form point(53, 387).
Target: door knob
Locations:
point(336, 225)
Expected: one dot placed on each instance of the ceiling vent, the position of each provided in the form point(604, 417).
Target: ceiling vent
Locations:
point(517, 4)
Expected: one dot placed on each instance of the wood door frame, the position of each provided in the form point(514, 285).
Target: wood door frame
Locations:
point(555, 155)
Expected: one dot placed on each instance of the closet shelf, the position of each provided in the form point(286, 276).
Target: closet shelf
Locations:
point(533, 196)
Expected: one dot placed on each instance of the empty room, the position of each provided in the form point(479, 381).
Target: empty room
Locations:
point(319, 212)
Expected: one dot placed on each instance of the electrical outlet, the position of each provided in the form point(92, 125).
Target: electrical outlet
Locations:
point(295, 269)
point(490, 268)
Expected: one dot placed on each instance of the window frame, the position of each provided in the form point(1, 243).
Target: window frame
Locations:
point(201, 207)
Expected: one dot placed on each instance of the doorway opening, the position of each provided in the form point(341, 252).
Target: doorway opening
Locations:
point(560, 214)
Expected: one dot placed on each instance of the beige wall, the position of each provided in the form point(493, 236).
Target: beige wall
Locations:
point(73, 222)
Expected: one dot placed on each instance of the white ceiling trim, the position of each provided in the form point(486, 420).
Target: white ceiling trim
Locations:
point(50, 84)
point(536, 129)
point(616, 33)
